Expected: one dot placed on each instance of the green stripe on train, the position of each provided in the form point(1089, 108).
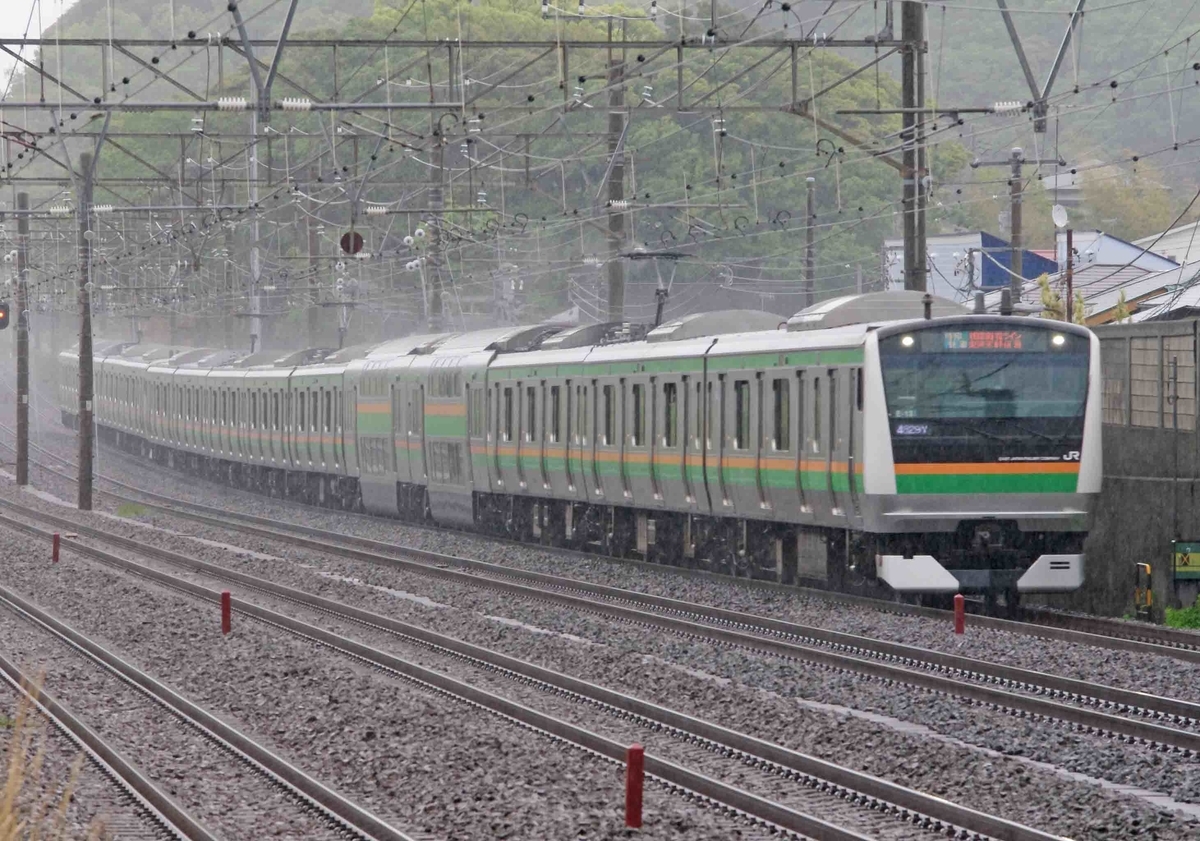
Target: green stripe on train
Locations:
point(994, 483)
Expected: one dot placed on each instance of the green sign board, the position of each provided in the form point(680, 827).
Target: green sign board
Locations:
point(1185, 560)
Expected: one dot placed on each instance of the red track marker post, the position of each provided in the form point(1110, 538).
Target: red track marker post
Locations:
point(226, 611)
point(960, 616)
point(635, 760)
point(54, 545)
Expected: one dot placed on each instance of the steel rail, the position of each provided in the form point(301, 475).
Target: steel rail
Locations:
point(158, 806)
point(346, 815)
point(1095, 631)
point(1137, 638)
point(752, 748)
point(1099, 632)
point(1078, 716)
point(756, 808)
point(1059, 686)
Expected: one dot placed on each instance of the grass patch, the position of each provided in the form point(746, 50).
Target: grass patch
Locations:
point(130, 509)
point(1187, 617)
point(32, 805)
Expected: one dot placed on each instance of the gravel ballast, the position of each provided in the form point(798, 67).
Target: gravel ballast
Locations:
point(421, 761)
point(761, 695)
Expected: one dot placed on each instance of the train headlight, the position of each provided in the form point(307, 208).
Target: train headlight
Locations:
point(1058, 340)
point(907, 341)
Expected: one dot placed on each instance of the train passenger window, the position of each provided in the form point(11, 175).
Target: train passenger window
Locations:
point(781, 439)
point(328, 411)
point(816, 425)
point(508, 415)
point(639, 415)
point(315, 426)
point(581, 425)
point(833, 428)
point(224, 408)
point(530, 413)
point(741, 407)
point(275, 410)
point(303, 413)
point(610, 415)
point(858, 388)
point(670, 414)
point(555, 418)
point(709, 425)
point(698, 429)
point(477, 400)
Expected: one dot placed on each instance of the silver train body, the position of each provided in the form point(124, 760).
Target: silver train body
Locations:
point(957, 453)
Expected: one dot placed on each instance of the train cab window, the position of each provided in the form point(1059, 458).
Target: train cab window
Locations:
point(670, 414)
point(610, 415)
point(781, 420)
point(530, 413)
point(555, 414)
point(507, 416)
point(639, 415)
point(741, 421)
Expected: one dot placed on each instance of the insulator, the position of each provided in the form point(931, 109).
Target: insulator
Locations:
point(102, 208)
point(409, 241)
point(545, 8)
point(376, 210)
point(619, 204)
point(232, 103)
point(653, 9)
point(1008, 106)
point(60, 210)
point(581, 7)
point(419, 233)
point(296, 104)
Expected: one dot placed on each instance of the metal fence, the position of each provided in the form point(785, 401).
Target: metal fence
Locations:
point(1149, 374)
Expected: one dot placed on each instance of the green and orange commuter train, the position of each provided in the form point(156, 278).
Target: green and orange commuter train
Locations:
point(870, 440)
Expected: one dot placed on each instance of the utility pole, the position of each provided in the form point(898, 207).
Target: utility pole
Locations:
point(615, 267)
point(255, 259)
point(314, 253)
point(436, 203)
point(86, 427)
point(1016, 188)
point(809, 255)
point(22, 339)
point(912, 135)
point(1069, 309)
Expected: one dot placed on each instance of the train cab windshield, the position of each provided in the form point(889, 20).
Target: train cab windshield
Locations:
point(982, 393)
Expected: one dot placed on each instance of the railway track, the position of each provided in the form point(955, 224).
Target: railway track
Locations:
point(1101, 632)
point(1129, 715)
point(344, 818)
point(154, 815)
point(838, 793)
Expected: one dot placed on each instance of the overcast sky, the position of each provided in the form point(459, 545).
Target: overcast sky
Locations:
point(15, 17)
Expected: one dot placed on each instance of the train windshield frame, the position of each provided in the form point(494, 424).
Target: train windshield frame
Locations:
point(963, 373)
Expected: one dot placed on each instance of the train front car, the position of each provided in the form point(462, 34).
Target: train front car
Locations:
point(991, 428)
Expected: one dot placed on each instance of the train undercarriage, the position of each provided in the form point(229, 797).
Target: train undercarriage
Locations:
point(828, 558)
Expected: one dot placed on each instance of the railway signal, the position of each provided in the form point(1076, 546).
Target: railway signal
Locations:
point(5, 309)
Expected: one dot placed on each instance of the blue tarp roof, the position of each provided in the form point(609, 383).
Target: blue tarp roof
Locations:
point(995, 277)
